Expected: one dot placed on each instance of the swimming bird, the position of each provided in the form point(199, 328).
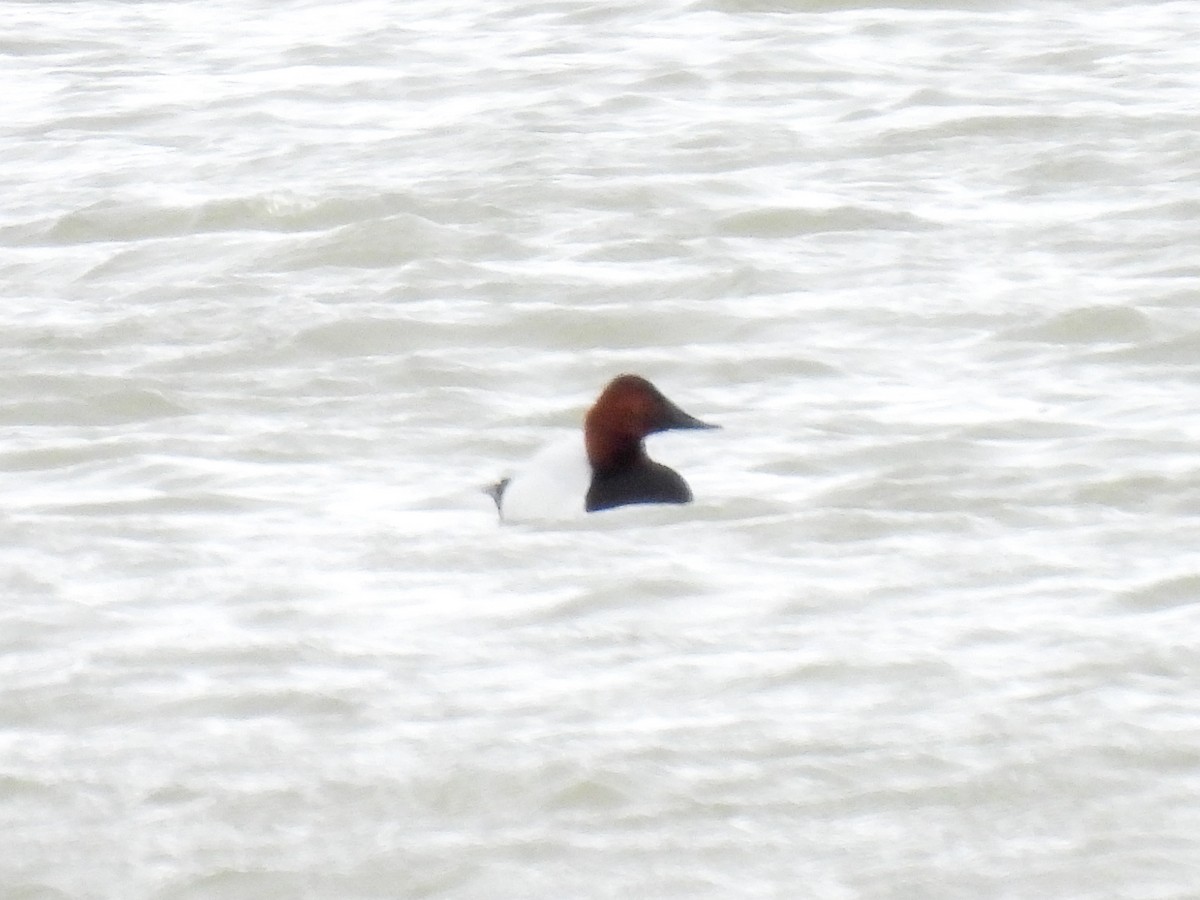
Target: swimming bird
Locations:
point(605, 467)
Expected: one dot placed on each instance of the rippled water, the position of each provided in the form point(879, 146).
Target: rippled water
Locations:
point(286, 283)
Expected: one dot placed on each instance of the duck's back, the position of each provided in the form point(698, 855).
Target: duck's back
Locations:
point(552, 485)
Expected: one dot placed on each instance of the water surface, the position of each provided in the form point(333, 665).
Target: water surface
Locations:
point(286, 283)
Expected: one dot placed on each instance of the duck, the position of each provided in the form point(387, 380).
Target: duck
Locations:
point(607, 466)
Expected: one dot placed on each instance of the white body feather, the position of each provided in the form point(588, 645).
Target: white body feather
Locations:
point(553, 484)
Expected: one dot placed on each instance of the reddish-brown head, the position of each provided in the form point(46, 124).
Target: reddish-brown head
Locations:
point(627, 410)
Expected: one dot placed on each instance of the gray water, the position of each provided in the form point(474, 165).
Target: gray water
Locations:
point(286, 283)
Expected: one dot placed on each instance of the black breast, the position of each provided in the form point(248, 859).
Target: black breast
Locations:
point(645, 482)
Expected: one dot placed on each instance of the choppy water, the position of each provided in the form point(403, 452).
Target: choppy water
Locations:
point(284, 283)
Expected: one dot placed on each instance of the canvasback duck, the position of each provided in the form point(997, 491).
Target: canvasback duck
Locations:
point(608, 467)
